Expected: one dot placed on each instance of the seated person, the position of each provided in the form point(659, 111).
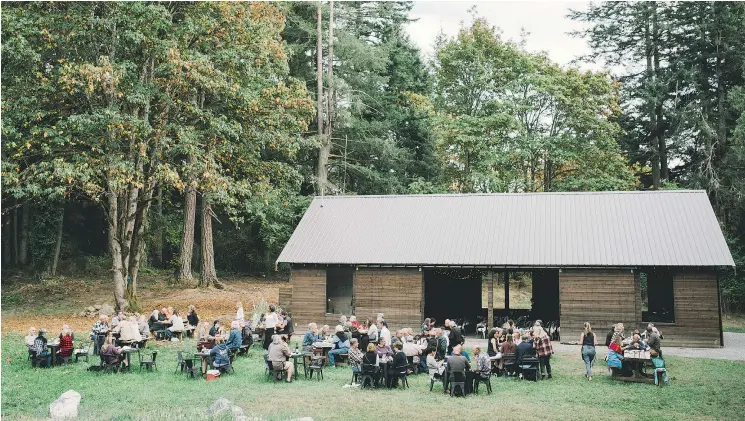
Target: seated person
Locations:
point(435, 367)
point(192, 318)
point(398, 338)
point(129, 331)
point(116, 319)
point(457, 362)
point(371, 362)
point(615, 354)
point(341, 345)
point(524, 349)
point(399, 361)
point(425, 326)
point(324, 333)
point(177, 325)
point(353, 323)
point(215, 329)
point(279, 354)
point(247, 337)
point(220, 357)
point(66, 328)
point(483, 364)
point(204, 340)
point(143, 327)
point(636, 344)
point(355, 355)
point(234, 340)
point(310, 337)
point(39, 348)
point(29, 340)
point(65, 342)
point(383, 350)
point(442, 343)
point(112, 354)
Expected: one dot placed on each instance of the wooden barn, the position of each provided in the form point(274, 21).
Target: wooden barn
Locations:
point(601, 257)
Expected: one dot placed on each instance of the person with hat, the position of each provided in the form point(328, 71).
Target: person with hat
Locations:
point(341, 345)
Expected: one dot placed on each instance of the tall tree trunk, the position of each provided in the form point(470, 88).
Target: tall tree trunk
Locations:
point(158, 241)
point(651, 106)
point(330, 103)
point(325, 150)
point(659, 119)
point(115, 249)
point(23, 240)
point(209, 275)
point(6, 240)
point(187, 241)
point(15, 232)
point(58, 245)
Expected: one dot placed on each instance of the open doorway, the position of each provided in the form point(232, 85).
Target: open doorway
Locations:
point(452, 294)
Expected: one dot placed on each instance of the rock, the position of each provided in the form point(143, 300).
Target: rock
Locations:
point(97, 306)
point(82, 314)
point(66, 406)
point(219, 407)
point(106, 309)
point(90, 309)
point(238, 414)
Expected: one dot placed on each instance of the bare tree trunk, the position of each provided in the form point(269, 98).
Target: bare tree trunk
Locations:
point(187, 242)
point(58, 245)
point(653, 140)
point(15, 232)
point(115, 249)
point(23, 241)
point(208, 275)
point(6, 240)
point(158, 242)
point(330, 103)
point(659, 129)
point(325, 149)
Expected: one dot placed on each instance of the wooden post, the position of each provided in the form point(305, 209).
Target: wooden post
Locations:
point(506, 290)
point(490, 300)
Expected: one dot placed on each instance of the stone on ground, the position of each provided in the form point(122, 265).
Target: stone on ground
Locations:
point(223, 406)
point(66, 406)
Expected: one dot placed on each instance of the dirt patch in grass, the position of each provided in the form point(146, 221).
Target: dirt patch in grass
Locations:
point(52, 303)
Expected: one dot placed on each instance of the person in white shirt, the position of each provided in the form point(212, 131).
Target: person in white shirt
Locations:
point(177, 325)
point(384, 332)
point(372, 331)
point(270, 323)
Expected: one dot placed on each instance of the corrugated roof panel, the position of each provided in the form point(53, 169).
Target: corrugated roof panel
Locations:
point(664, 228)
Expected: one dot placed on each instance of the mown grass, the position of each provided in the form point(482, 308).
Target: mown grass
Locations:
point(733, 323)
point(701, 389)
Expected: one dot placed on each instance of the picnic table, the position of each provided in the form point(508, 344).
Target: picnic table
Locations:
point(637, 360)
point(53, 347)
point(204, 355)
point(127, 351)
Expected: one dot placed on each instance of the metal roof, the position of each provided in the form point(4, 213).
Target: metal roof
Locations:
point(591, 229)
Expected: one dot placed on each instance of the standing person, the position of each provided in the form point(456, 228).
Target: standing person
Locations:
point(287, 327)
point(653, 339)
point(588, 341)
point(341, 345)
point(270, 323)
point(239, 311)
point(384, 332)
point(372, 331)
point(543, 348)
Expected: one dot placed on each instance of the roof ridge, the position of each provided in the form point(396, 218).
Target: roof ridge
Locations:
point(391, 196)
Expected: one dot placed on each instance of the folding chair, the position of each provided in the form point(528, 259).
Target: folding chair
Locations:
point(529, 368)
point(457, 379)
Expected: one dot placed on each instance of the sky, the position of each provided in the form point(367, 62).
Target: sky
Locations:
point(545, 21)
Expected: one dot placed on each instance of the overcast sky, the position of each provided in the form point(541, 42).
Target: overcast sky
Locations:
point(545, 21)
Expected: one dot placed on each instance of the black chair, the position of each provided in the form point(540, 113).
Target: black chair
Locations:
point(457, 379)
point(528, 367)
point(478, 379)
point(433, 379)
point(316, 366)
point(509, 363)
point(180, 362)
point(147, 360)
point(110, 366)
point(277, 373)
point(399, 373)
point(81, 351)
point(413, 367)
point(368, 375)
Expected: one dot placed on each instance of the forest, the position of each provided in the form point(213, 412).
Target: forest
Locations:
point(189, 137)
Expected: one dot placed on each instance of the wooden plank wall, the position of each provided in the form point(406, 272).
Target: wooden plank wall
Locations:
point(696, 310)
point(285, 297)
point(397, 292)
point(601, 297)
point(308, 296)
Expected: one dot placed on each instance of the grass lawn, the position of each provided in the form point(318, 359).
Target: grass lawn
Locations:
point(700, 389)
point(733, 323)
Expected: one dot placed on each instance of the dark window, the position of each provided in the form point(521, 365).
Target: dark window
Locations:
point(658, 299)
point(339, 287)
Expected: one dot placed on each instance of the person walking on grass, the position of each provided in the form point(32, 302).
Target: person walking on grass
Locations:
point(588, 341)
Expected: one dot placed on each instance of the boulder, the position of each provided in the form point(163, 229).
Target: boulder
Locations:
point(66, 406)
point(90, 309)
point(82, 314)
point(97, 306)
point(106, 309)
point(219, 407)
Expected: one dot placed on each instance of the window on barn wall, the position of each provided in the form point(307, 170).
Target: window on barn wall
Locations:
point(498, 299)
point(339, 290)
point(658, 299)
point(521, 290)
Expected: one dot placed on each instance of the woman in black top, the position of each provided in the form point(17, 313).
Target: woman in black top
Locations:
point(399, 362)
point(588, 341)
point(192, 316)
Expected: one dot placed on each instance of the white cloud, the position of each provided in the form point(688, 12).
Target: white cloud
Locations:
point(545, 21)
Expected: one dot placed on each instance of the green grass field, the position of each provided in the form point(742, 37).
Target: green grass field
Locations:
point(733, 323)
point(700, 389)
